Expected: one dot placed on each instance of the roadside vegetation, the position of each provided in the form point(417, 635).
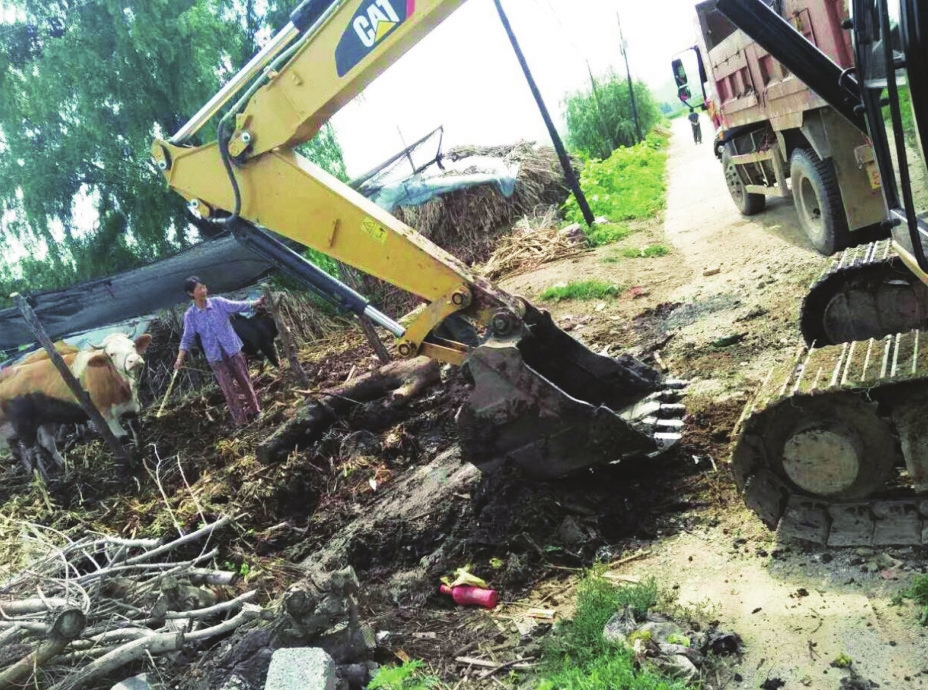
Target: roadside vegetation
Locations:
point(628, 185)
point(576, 655)
point(581, 290)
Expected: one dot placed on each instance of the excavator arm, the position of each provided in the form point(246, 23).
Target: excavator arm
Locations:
point(538, 392)
point(329, 52)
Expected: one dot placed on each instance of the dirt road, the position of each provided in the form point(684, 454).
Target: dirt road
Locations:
point(797, 609)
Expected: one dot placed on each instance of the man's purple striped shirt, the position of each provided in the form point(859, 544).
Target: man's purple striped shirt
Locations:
point(213, 326)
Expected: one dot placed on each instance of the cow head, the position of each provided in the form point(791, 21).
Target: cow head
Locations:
point(126, 353)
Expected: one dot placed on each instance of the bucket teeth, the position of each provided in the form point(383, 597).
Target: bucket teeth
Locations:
point(673, 410)
point(675, 384)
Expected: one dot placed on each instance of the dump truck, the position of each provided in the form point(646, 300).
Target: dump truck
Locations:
point(540, 399)
point(777, 137)
point(832, 448)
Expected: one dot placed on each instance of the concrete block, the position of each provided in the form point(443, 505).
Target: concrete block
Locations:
point(301, 668)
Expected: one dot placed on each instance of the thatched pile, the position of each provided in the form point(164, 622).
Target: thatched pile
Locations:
point(469, 222)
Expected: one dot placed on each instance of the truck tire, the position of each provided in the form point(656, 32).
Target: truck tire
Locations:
point(817, 198)
point(748, 203)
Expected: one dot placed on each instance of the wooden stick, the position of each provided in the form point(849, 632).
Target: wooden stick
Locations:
point(374, 341)
point(153, 644)
point(193, 536)
point(519, 664)
point(73, 384)
point(167, 393)
point(67, 626)
point(286, 337)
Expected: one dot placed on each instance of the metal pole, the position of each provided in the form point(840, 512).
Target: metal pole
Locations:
point(572, 180)
point(628, 74)
point(83, 398)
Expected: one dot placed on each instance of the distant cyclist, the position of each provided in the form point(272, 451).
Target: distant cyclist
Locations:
point(697, 129)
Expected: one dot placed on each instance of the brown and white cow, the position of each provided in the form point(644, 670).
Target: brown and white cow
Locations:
point(36, 401)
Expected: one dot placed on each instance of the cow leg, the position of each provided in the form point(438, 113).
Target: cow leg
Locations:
point(37, 462)
point(132, 423)
point(21, 453)
point(45, 438)
point(31, 460)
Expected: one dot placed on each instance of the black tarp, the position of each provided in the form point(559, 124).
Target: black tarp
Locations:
point(222, 264)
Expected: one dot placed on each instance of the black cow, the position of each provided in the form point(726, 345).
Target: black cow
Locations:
point(257, 334)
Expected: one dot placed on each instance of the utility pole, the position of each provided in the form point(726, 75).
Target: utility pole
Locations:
point(628, 74)
point(569, 173)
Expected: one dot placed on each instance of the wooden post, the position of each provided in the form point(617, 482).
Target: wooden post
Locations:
point(285, 337)
point(67, 626)
point(374, 340)
point(82, 397)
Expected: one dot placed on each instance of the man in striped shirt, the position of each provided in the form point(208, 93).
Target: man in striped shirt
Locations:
point(208, 317)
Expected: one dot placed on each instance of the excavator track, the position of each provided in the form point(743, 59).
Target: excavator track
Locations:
point(865, 292)
point(834, 450)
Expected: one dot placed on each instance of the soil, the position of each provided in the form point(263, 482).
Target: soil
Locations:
point(732, 279)
point(386, 491)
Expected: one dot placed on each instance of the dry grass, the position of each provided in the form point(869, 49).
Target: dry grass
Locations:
point(469, 222)
point(534, 241)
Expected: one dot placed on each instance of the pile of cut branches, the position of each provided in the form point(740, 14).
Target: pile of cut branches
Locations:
point(73, 611)
point(534, 241)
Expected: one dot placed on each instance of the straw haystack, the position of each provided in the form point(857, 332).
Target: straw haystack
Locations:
point(469, 222)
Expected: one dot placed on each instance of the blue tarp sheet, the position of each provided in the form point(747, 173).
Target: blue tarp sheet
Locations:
point(417, 190)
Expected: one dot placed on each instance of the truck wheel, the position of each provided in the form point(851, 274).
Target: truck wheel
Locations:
point(818, 201)
point(749, 204)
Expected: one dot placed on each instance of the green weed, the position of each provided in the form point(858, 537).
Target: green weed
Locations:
point(918, 592)
point(626, 186)
point(607, 233)
point(582, 290)
point(647, 252)
point(579, 658)
point(408, 676)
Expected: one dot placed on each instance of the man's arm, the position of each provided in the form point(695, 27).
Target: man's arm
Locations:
point(231, 306)
point(185, 341)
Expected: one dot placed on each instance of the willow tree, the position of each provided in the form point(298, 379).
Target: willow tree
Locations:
point(601, 119)
point(85, 85)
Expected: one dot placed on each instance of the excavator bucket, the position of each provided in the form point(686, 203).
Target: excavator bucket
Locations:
point(545, 402)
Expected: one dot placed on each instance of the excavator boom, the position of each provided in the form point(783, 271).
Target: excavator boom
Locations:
point(538, 393)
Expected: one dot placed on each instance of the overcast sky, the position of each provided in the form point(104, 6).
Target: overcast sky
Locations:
point(465, 76)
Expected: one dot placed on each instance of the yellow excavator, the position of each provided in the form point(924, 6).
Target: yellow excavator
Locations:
point(541, 400)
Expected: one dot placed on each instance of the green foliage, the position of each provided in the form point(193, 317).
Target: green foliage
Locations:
point(408, 676)
point(842, 661)
point(325, 151)
point(84, 89)
point(578, 656)
point(607, 233)
point(600, 120)
point(626, 186)
point(647, 252)
point(582, 290)
point(918, 592)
